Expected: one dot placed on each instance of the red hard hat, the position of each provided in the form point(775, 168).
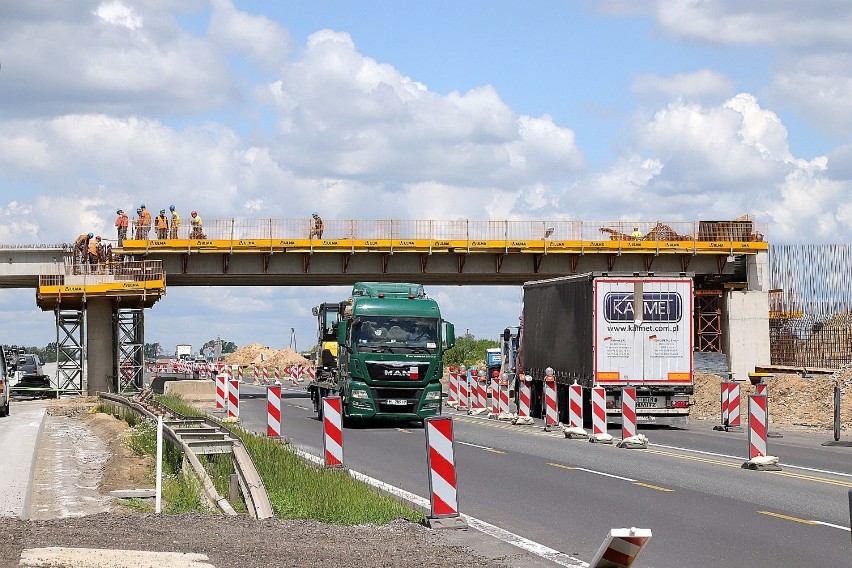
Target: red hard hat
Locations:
point(495, 373)
point(194, 213)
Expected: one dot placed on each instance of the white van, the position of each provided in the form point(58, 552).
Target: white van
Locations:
point(4, 385)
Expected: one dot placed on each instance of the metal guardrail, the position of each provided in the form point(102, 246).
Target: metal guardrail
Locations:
point(740, 230)
point(88, 275)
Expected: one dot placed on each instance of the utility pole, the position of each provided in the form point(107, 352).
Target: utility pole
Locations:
point(293, 338)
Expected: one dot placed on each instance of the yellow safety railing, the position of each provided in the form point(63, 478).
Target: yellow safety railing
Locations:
point(507, 231)
point(85, 275)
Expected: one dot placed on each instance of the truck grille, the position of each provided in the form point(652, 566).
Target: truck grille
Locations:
point(383, 398)
point(396, 370)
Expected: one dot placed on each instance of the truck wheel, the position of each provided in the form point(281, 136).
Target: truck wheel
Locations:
point(318, 394)
point(5, 411)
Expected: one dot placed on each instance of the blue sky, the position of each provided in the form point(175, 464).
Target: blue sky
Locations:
point(676, 110)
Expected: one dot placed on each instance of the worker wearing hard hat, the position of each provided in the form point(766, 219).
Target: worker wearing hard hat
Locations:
point(317, 226)
point(81, 244)
point(93, 250)
point(197, 232)
point(175, 223)
point(162, 225)
point(121, 223)
point(146, 221)
point(636, 234)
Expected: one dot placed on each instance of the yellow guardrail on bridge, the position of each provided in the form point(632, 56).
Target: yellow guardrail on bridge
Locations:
point(73, 283)
point(427, 236)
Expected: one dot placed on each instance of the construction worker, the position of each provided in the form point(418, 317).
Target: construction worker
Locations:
point(81, 245)
point(175, 223)
point(137, 234)
point(197, 233)
point(93, 252)
point(317, 226)
point(146, 221)
point(636, 234)
point(121, 224)
point(162, 225)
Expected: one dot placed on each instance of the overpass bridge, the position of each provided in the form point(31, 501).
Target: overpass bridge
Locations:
point(727, 258)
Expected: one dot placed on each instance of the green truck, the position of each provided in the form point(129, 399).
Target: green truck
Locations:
point(390, 347)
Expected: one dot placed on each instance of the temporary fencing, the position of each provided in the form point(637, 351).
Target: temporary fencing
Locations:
point(332, 427)
point(628, 412)
point(273, 412)
point(443, 490)
point(221, 390)
point(620, 548)
point(234, 400)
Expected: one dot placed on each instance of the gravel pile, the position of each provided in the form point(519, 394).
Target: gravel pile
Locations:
point(240, 542)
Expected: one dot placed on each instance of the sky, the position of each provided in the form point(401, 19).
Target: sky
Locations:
point(634, 110)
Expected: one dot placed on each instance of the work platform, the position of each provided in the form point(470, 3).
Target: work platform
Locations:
point(133, 284)
point(391, 236)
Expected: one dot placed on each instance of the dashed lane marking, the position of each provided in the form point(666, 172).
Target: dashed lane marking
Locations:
point(787, 517)
point(559, 465)
point(404, 431)
point(486, 448)
point(649, 486)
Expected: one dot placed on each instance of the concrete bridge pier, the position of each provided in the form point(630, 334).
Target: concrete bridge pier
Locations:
point(100, 346)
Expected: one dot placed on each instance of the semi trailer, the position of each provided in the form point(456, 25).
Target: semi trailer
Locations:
point(390, 346)
point(612, 331)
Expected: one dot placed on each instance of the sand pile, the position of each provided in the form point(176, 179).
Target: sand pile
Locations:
point(262, 356)
point(793, 400)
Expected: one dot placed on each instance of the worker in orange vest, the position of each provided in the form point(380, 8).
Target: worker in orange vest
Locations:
point(146, 221)
point(318, 227)
point(93, 251)
point(121, 224)
point(162, 225)
point(81, 244)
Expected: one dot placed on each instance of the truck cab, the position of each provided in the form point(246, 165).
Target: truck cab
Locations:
point(391, 341)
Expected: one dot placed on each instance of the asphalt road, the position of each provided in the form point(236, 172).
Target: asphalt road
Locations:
point(703, 509)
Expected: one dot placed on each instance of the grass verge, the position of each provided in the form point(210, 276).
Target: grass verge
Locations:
point(298, 490)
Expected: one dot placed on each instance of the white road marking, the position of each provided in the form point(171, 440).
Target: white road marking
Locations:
point(474, 445)
point(841, 527)
point(510, 538)
point(741, 458)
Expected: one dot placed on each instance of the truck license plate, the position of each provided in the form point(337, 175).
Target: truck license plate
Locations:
point(646, 402)
point(396, 402)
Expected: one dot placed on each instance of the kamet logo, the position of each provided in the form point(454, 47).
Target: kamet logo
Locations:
point(659, 307)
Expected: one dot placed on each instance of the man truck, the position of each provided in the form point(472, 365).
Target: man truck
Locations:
point(612, 331)
point(390, 346)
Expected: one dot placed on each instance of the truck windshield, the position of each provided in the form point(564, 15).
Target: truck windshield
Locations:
point(392, 334)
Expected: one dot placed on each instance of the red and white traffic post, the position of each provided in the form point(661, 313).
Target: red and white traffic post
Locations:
point(277, 375)
point(551, 405)
point(453, 394)
point(504, 395)
point(265, 376)
point(757, 422)
point(221, 392)
point(234, 400)
point(332, 429)
point(495, 393)
point(443, 489)
point(575, 430)
point(273, 412)
point(620, 548)
point(733, 405)
point(599, 433)
point(628, 412)
point(240, 374)
point(463, 388)
point(524, 396)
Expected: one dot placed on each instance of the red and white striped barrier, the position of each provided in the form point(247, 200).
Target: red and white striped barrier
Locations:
point(453, 393)
point(234, 400)
point(599, 433)
point(480, 393)
point(524, 396)
point(240, 374)
point(221, 391)
point(551, 405)
point(463, 389)
point(277, 375)
point(273, 412)
point(734, 404)
point(758, 417)
point(495, 393)
point(256, 373)
point(628, 412)
point(312, 373)
point(575, 405)
point(620, 548)
point(332, 428)
point(504, 395)
point(443, 490)
point(265, 376)
point(230, 372)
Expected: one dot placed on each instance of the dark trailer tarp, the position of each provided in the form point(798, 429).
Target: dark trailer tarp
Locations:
point(559, 329)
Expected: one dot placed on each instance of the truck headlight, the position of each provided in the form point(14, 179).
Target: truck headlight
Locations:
point(359, 393)
point(433, 395)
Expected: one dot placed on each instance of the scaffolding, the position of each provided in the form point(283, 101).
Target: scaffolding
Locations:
point(708, 321)
point(70, 359)
point(129, 325)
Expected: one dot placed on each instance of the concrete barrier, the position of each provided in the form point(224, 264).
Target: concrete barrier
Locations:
point(192, 390)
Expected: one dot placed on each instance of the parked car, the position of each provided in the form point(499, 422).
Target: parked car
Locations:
point(4, 385)
point(30, 373)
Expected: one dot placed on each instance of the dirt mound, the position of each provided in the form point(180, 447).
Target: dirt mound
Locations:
point(793, 400)
point(262, 356)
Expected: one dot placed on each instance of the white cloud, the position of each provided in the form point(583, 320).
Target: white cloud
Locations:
point(118, 14)
point(704, 85)
point(262, 39)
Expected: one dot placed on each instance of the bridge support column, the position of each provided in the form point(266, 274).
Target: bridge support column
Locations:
point(100, 346)
point(746, 318)
point(69, 350)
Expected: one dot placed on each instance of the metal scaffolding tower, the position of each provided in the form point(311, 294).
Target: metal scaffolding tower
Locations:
point(69, 350)
point(130, 349)
point(708, 321)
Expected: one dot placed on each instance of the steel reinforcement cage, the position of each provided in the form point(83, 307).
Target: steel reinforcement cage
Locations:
point(810, 305)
